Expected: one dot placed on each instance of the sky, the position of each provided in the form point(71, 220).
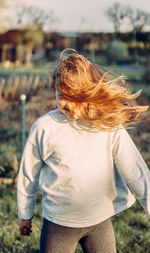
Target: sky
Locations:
point(85, 15)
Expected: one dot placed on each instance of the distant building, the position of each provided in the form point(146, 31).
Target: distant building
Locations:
point(18, 45)
point(10, 42)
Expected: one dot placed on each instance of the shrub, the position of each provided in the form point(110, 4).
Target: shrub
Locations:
point(116, 50)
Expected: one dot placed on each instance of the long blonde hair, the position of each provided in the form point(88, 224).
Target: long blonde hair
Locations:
point(103, 102)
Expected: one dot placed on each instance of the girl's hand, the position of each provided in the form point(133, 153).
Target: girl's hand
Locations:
point(25, 227)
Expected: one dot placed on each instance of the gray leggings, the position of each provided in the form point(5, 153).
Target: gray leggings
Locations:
point(95, 239)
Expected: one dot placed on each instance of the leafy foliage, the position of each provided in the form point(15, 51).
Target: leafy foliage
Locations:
point(116, 50)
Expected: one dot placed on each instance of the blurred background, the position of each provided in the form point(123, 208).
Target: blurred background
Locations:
point(114, 35)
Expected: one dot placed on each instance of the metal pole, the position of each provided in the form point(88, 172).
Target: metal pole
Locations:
point(23, 120)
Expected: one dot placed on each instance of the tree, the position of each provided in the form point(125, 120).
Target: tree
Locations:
point(5, 5)
point(34, 16)
point(36, 20)
point(3, 18)
point(32, 37)
point(138, 19)
point(2, 4)
point(116, 14)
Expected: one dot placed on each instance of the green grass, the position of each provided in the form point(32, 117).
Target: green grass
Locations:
point(42, 69)
point(132, 227)
point(22, 69)
point(10, 238)
point(131, 73)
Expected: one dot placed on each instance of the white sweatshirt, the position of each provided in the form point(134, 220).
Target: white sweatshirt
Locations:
point(84, 176)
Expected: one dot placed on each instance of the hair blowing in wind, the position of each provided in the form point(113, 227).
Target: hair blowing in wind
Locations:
point(101, 102)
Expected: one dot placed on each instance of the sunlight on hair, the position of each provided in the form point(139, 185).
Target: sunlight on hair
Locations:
point(66, 52)
point(99, 100)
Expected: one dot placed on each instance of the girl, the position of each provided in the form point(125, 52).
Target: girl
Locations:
point(83, 160)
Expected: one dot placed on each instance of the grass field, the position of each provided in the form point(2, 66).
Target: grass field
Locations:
point(132, 227)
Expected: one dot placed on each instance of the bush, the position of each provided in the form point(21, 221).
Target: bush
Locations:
point(116, 50)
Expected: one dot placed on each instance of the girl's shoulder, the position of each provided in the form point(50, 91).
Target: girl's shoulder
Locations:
point(45, 126)
point(48, 121)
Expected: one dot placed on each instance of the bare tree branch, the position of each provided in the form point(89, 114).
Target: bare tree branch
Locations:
point(116, 14)
point(35, 16)
point(138, 19)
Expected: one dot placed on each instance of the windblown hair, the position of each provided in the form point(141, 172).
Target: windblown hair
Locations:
point(102, 102)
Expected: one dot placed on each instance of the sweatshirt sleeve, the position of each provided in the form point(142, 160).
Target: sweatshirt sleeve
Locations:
point(28, 180)
point(132, 167)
